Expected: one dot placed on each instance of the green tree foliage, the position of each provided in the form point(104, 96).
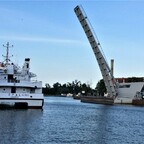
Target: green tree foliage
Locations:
point(74, 87)
point(100, 88)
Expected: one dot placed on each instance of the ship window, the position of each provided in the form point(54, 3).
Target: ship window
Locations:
point(23, 89)
point(10, 77)
point(4, 89)
point(32, 90)
point(13, 89)
point(124, 86)
point(4, 77)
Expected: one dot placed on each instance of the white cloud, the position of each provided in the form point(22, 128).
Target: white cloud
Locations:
point(41, 39)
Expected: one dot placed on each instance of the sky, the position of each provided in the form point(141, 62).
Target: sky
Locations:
point(49, 33)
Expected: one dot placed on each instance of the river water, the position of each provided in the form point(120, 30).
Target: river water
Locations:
point(67, 121)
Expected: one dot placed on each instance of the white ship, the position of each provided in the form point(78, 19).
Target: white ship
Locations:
point(17, 89)
point(128, 91)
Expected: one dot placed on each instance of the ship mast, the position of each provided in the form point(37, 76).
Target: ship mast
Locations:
point(7, 52)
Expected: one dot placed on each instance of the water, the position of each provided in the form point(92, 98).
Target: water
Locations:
point(68, 121)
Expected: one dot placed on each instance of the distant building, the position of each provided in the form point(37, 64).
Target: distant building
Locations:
point(130, 79)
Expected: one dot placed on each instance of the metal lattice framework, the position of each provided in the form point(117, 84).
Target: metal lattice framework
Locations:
point(105, 70)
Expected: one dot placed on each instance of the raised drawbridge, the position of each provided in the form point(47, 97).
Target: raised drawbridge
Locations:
point(108, 78)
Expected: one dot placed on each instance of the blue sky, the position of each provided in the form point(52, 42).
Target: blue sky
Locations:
point(50, 34)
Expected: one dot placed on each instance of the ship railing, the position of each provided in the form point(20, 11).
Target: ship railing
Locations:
point(36, 83)
point(31, 81)
point(18, 81)
point(9, 81)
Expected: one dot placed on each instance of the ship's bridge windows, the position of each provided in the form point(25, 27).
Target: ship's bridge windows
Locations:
point(124, 86)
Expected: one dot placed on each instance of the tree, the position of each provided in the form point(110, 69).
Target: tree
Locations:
point(100, 88)
point(74, 87)
point(56, 88)
point(47, 89)
point(47, 85)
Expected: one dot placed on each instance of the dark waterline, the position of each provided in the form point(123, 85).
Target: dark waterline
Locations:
point(65, 120)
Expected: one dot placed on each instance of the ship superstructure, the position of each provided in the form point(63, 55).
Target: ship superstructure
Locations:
point(16, 85)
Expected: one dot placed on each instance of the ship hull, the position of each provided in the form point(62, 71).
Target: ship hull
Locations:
point(123, 100)
point(21, 103)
